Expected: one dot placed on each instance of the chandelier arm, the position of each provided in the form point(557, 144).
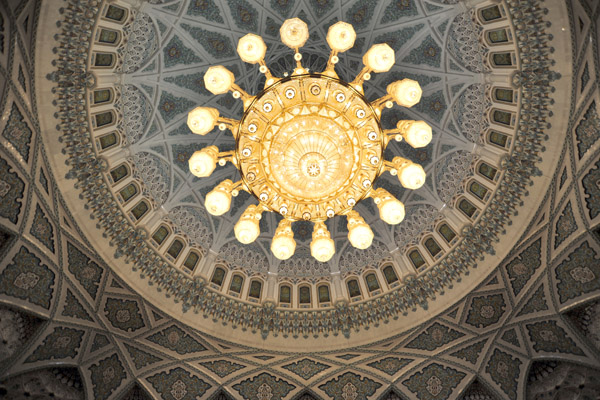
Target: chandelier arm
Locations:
point(392, 134)
point(228, 123)
point(330, 68)
point(241, 92)
point(386, 101)
point(225, 156)
point(363, 75)
point(270, 79)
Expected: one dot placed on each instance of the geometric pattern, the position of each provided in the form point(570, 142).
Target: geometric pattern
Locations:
point(523, 267)
point(434, 382)
point(350, 386)
point(504, 370)
point(579, 273)
point(107, 375)
point(263, 386)
point(175, 339)
point(28, 279)
point(107, 355)
point(434, 336)
point(178, 384)
point(306, 368)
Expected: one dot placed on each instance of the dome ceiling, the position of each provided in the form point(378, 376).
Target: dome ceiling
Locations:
point(170, 48)
point(77, 322)
point(152, 209)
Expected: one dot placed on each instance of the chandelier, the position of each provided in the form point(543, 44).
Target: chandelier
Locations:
point(309, 146)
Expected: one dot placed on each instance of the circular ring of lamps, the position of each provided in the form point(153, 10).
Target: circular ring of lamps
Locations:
point(310, 146)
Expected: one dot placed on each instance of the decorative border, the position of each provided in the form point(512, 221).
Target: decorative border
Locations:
point(72, 79)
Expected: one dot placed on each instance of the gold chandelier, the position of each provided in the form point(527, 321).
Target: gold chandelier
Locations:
point(309, 146)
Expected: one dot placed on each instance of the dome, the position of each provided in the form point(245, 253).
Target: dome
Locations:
point(110, 260)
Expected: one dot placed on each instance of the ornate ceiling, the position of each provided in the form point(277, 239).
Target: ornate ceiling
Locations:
point(489, 109)
point(97, 327)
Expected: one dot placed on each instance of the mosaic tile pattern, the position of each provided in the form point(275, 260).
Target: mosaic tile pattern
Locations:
point(565, 225)
point(222, 368)
point(26, 278)
point(588, 130)
point(591, 188)
point(263, 386)
point(578, 274)
point(175, 339)
point(522, 268)
point(434, 337)
point(73, 308)
point(178, 384)
point(504, 370)
point(390, 365)
point(107, 376)
point(17, 132)
point(486, 310)
point(60, 344)
point(11, 192)
point(141, 358)
point(470, 353)
point(548, 337)
point(434, 382)
point(86, 271)
point(41, 229)
point(350, 386)
point(306, 368)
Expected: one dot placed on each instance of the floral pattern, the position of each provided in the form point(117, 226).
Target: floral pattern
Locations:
point(350, 386)
point(178, 384)
point(434, 382)
point(28, 279)
point(263, 387)
point(574, 275)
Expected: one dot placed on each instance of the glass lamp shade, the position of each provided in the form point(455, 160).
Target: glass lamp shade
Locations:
point(251, 48)
point(406, 93)
point(418, 134)
point(322, 249)
point(294, 33)
point(217, 202)
point(341, 36)
point(202, 120)
point(379, 58)
point(283, 247)
point(361, 236)
point(391, 211)
point(203, 162)
point(412, 176)
point(247, 230)
point(218, 79)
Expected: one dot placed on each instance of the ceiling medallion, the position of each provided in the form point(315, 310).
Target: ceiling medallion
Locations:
point(309, 146)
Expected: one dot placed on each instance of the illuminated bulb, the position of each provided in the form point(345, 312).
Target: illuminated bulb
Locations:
point(322, 247)
point(218, 79)
point(247, 228)
point(379, 58)
point(391, 211)
point(416, 133)
point(251, 48)
point(341, 36)
point(283, 245)
point(203, 162)
point(202, 120)
point(406, 93)
point(412, 176)
point(294, 33)
point(218, 200)
point(360, 234)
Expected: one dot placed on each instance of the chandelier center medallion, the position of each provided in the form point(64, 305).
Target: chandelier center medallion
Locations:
point(310, 147)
